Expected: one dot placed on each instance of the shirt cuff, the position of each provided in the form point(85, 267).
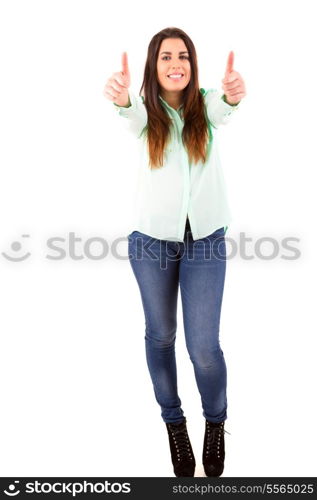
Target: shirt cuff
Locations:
point(223, 97)
point(122, 111)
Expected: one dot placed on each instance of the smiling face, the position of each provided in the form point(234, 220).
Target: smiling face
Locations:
point(173, 59)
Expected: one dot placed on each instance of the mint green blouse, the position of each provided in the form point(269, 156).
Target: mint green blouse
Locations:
point(166, 195)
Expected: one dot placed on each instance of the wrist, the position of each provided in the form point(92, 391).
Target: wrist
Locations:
point(230, 103)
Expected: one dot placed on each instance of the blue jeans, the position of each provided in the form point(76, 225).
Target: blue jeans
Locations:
point(199, 268)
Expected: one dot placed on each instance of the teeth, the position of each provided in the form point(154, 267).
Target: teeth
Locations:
point(175, 76)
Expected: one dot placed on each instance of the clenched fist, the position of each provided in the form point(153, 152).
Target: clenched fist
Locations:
point(116, 88)
point(233, 83)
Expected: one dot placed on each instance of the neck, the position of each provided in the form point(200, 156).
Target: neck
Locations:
point(173, 98)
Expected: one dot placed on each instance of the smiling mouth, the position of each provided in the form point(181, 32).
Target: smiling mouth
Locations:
point(176, 77)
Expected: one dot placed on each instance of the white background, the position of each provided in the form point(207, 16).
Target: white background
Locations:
point(76, 394)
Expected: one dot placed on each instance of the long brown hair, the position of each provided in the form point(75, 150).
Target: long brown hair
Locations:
point(196, 131)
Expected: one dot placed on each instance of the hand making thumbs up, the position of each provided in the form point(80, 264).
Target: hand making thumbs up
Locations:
point(116, 88)
point(233, 83)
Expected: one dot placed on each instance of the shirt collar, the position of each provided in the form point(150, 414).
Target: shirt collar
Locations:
point(170, 107)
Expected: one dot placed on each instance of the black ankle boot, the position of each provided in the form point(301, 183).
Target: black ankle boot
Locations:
point(181, 450)
point(214, 448)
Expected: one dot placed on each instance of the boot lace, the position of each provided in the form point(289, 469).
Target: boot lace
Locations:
point(181, 441)
point(213, 438)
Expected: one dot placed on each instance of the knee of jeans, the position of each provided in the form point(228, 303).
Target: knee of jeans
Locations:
point(160, 339)
point(206, 358)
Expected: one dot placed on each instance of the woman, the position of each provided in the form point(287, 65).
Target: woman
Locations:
point(181, 216)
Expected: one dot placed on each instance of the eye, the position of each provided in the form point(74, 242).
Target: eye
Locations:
point(181, 57)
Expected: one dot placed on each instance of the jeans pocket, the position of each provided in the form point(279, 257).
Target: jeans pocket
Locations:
point(141, 236)
point(134, 233)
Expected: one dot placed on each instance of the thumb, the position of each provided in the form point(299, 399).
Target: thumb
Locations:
point(124, 63)
point(230, 61)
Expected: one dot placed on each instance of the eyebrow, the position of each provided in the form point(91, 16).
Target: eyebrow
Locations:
point(183, 52)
